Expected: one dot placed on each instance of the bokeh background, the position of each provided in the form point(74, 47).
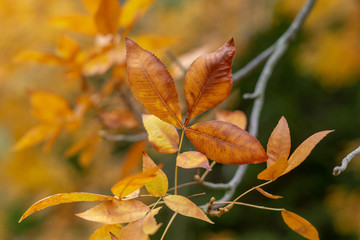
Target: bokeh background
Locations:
point(315, 86)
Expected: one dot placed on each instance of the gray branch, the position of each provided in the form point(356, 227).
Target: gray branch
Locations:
point(345, 162)
point(273, 53)
point(123, 137)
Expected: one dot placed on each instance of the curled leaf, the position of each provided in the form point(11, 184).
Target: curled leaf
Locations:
point(184, 206)
point(159, 185)
point(236, 117)
point(267, 194)
point(225, 143)
point(192, 159)
point(163, 136)
point(300, 225)
point(64, 198)
point(209, 80)
point(116, 211)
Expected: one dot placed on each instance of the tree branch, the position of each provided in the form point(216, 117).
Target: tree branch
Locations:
point(273, 53)
point(344, 163)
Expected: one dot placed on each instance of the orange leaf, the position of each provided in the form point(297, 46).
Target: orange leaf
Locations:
point(150, 226)
point(152, 84)
point(300, 225)
point(266, 194)
point(184, 206)
point(192, 159)
point(102, 233)
point(133, 10)
point(64, 198)
point(132, 158)
point(275, 170)
point(130, 184)
point(67, 48)
point(209, 80)
point(78, 23)
point(91, 5)
point(225, 143)
point(162, 136)
point(159, 185)
point(107, 15)
point(305, 148)
point(116, 211)
point(279, 142)
point(236, 117)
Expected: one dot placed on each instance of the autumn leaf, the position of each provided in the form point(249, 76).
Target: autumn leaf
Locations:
point(116, 211)
point(209, 80)
point(77, 22)
point(128, 185)
point(132, 158)
point(225, 143)
point(152, 84)
point(300, 225)
point(150, 226)
point(279, 143)
point(35, 56)
point(64, 198)
point(133, 10)
point(275, 170)
point(107, 15)
point(192, 159)
point(159, 185)
point(162, 136)
point(119, 119)
point(236, 117)
point(184, 206)
point(67, 48)
point(266, 194)
point(102, 233)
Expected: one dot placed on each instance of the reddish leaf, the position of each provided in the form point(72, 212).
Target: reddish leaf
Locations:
point(102, 233)
point(152, 84)
point(162, 136)
point(226, 143)
point(159, 185)
point(300, 225)
point(209, 80)
point(236, 117)
point(64, 198)
point(279, 142)
point(116, 211)
point(275, 170)
point(266, 194)
point(192, 159)
point(184, 206)
point(301, 152)
point(107, 15)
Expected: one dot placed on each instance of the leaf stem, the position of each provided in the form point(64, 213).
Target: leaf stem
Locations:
point(168, 225)
point(176, 167)
point(250, 205)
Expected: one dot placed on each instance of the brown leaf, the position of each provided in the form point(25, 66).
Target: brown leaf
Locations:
point(275, 170)
point(116, 211)
point(159, 185)
point(236, 117)
point(300, 225)
point(305, 148)
point(184, 206)
point(102, 233)
point(266, 194)
point(162, 136)
point(279, 143)
point(192, 159)
point(128, 185)
point(107, 15)
point(209, 80)
point(152, 84)
point(64, 198)
point(225, 143)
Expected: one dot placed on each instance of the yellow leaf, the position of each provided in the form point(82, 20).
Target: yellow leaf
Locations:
point(300, 225)
point(150, 226)
point(305, 148)
point(159, 185)
point(128, 185)
point(266, 194)
point(67, 48)
point(275, 170)
point(46, 58)
point(107, 15)
point(78, 23)
point(184, 206)
point(91, 5)
point(64, 198)
point(102, 233)
point(163, 136)
point(225, 143)
point(236, 117)
point(192, 159)
point(155, 42)
point(133, 10)
point(209, 80)
point(116, 211)
point(279, 143)
point(152, 84)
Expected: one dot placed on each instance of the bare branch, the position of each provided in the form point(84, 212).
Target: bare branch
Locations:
point(122, 137)
point(344, 163)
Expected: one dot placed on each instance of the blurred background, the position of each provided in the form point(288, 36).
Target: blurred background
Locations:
point(53, 51)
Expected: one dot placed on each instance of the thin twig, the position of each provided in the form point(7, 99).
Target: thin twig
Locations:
point(344, 163)
point(280, 46)
point(123, 137)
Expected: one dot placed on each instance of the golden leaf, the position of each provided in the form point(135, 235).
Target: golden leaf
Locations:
point(159, 185)
point(46, 58)
point(236, 117)
point(275, 170)
point(64, 198)
point(192, 159)
point(116, 211)
point(150, 226)
point(132, 11)
point(107, 15)
point(78, 23)
point(132, 158)
point(102, 233)
point(209, 80)
point(225, 143)
point(152, 84)
point(266, 194)
point(300, 225)
point(67, 48)
point(162, 136)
